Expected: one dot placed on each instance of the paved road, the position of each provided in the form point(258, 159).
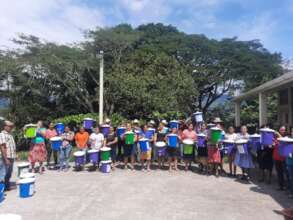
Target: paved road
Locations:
point(126, 194)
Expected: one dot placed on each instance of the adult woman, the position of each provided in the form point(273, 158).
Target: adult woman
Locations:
point(265, 161)
point(231, 136)
point(243, 160)
point(279, 161)
point(128, 147)
point(289, 162)
point(111, 141)
point(51, 132)
point(214, 156)
point(96, 140)
point(188, 134)
point(67, 138)
point(172, 149)
point(81, 139)
point(37, 152)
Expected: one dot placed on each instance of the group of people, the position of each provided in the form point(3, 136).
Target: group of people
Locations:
point(209, 158)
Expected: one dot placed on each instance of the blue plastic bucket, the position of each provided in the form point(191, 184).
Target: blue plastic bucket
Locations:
point(120, 131)
point(105, 130)
point(285, 146)
point(161, 148)
point(26, 187)
point(2, 186)
point(60, 128)
point(93, 156)
point(201, 140)
point(144, 145)
point(79, 158)
point(88, 123)
point(172, 140)
point(106, 166)
point(228, 146)
point(56, 143)
point(267, 136)
point(174, 124)
point(254, 141)
point(198, 117)
point(242, 146)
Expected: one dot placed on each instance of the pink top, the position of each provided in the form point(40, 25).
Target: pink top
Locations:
point(189, 135)
point(50, 133)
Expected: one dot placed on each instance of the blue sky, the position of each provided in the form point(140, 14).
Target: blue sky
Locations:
point(62, 21)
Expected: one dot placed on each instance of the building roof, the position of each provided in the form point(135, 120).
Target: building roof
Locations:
point(270, 86)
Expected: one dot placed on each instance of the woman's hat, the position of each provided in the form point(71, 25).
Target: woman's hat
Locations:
point(218, 120)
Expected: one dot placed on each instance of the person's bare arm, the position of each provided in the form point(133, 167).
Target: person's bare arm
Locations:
point(4, 153)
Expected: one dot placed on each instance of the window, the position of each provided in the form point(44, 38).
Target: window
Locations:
point(283, 97)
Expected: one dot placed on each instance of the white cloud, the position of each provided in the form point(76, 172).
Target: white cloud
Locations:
point(53, 20)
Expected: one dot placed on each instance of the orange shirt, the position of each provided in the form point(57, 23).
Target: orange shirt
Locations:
point(81, 139)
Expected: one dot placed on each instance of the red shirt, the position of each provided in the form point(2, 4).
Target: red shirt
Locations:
point(276, 154)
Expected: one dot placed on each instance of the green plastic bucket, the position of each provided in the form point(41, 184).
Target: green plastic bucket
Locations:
point(30, 131)
point(105, 153)
point(129, 137)
point(216, 135)
point(188, 146)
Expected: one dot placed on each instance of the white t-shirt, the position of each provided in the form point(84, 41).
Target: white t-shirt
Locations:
point(96, 141)
point(231, 137)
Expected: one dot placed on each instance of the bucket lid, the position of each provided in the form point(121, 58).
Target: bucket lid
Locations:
point(129, 132)
point(286, 139)
point(30, 125)
point(188, 141)
point(255, 136)
point(197, 113)
point(23, 164)
point(93, 151)
point(56, 139)
point(105, 148)
point(211, 125)
point(172, 135)
point(105, 126)
point(216, 129)
point(120, 128)
point(241, 141)
point(266, 130)
point(106, 161)
point(88, 119)
point(151, 129)
point(59, 123)
point(78, 153)
point(229, 141)
point(143, 139)
point(27, 175)
point(27, 180)
point(160, 144)
point(174, 121)
point(201, 135)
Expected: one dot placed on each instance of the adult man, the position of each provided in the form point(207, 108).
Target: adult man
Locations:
point(8, 151)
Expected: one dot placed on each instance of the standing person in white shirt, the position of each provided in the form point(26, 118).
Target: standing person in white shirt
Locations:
point(97, 140)
point(231, 136)
point(8, 151)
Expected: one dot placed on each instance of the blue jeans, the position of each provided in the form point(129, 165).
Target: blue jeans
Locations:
point(64, 156)
point(9, 170)
point(290, 171)
point(2, 170)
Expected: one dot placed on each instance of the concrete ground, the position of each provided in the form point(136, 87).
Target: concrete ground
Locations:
point(126, 194)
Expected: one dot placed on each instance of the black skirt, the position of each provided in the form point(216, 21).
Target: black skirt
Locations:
point(265, 158)
point(202, 151)
point(172, 151)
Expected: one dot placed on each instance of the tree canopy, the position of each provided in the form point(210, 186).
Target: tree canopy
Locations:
point(151, 69)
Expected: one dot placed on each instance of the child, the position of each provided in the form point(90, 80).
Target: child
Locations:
point(111, 141)
point(128, 147)
point(244, 160)
point(67, 138)
point(172, 150)
point(202, 152)
point(146, 156)
point(191, 135)
point(231, 136)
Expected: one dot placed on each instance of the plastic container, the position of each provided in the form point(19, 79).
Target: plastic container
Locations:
point(30, 131)
point(56, 143)
point(106, 166)
point(144, 144)
point(105, 153)
point(172, 140)
point(174, 124)
point(161, 148)
point(60, 128)
point(242, 146)
point(105, 130)
point(93, 156)
point(267, 136)
point(201, 140)
point(22, 168)
point(79, 158)
point(26, 187)
point(198, 117)
point(216, 135)
point(129, 137)
point(88, 123)
point(188, 146)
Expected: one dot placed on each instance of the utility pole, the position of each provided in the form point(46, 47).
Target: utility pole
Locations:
point(101, 98)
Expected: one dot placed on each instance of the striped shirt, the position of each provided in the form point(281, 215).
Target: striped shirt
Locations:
point(8, 140)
